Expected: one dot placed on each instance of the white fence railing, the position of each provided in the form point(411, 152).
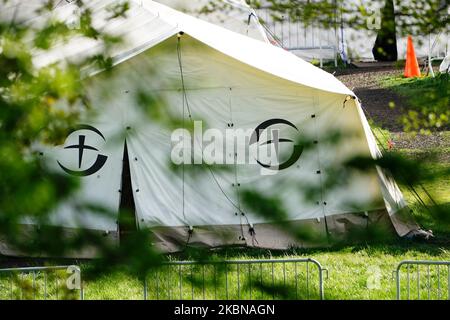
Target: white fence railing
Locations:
point(41, 283)
point(237, 279)
point(419, 280)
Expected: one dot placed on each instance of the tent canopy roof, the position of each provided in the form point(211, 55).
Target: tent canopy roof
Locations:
point(149, 23)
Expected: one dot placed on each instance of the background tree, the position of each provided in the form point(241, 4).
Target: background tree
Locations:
point(385, 48)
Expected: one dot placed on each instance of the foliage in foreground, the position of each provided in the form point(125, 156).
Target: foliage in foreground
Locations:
point(29, 113)
point(40, 105)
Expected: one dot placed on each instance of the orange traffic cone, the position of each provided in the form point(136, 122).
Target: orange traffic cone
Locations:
point(412, 65)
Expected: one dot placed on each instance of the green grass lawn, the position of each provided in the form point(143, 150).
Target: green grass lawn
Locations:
point(354, 272)
point(428, 101)
point(357, 272)
point(426, 96)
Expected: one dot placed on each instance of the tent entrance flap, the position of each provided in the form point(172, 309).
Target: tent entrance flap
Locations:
point(127, 208)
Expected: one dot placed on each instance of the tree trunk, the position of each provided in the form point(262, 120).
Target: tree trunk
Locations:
point(385, 48)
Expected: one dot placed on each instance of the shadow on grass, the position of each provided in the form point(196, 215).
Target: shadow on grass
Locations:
point(428, 100)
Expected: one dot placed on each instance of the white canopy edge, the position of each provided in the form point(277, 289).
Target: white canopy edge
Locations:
point(238, 16)
point(392, 195)
point(445, 65)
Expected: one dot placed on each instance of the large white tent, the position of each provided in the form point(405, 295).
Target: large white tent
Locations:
point(194, 70)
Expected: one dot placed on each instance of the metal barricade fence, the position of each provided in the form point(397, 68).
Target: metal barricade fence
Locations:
point(423, 280)
point(41, 283)
point(237, 279)
point(299, 38)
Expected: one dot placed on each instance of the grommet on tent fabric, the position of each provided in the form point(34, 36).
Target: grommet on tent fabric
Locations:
point(180, 34)
point(313, 116)
point(324, 203)
point(347, 98)
point(137, 190)
point(318, 172)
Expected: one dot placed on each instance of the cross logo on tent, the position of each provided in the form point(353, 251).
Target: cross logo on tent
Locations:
point(81, 146)
point(275, 140)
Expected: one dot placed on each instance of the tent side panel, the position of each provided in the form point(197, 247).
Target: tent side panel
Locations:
point(244, 97)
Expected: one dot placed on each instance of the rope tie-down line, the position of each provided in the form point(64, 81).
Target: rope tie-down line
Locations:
point(408, 185)
point(187, 107)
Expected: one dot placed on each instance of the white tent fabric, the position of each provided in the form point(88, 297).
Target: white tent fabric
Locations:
point(228, 78)
point(99, 192)
point(247, 97)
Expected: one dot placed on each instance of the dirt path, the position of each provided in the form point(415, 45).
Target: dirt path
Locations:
point(375, 99)
point(376, 104)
